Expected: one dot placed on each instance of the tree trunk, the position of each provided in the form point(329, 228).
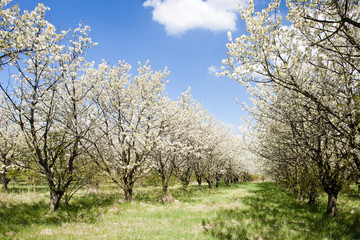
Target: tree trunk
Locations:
point(184, 177)
point(312, 195)
point(128, 191)
point(199, 180)
point(165, 189)
point(217, 183)
point(4, 181)
point(332, 204)
point(312, 199)
point(164, 183)
point(185, 184)
point(199, 184)
point(55, 198)
point(358, 187)
point(332, 182)
point(209, 183)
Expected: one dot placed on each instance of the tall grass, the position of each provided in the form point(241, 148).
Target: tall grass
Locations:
point(243, 211)
point(273, 213)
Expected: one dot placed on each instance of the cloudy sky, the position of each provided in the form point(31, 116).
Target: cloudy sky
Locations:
point(187, 36)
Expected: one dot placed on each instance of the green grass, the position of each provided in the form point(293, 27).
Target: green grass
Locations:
point(273, 213)
point(243, 211)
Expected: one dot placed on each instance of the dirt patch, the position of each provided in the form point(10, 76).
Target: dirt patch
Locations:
point(169, 199)
point(47, 232)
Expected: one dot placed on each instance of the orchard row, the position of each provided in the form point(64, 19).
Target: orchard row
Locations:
point(65, 118)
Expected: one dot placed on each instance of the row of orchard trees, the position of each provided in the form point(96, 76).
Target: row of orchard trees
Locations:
point(65, 118)
point(305, 79)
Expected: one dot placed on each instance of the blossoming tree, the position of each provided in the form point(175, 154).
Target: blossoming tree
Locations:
point(315, 62)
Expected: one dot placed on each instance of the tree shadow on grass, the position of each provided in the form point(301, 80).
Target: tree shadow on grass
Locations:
point(273, 213)
point(15, 217)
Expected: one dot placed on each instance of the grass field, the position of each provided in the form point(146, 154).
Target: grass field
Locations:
point(243, 211)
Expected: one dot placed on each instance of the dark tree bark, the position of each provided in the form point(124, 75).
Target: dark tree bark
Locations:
point(332, 204)
point(185, 178)
point(165, 171)
point(57, 190)
point(128, 191)
point(312, 199)
point(165, 184)
point(165, 189)
point(199, 181)
point(313, 194)
point(227, 182)
point(209, 182)
point(4, 181)
point(217, 182)
point(185, 183)
point(128, 186)
point(55, 198)
point(332, 188)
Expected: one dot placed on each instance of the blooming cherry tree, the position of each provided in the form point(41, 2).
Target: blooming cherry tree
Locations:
point(15, 31)
point(130, 114)
point(313, 65)
point(9, 144)
point(49, 99)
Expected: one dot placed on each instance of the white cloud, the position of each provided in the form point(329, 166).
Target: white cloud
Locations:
point(179, 16)
point(212, 69)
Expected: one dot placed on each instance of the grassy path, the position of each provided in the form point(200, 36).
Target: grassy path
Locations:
point(244, 211)
point(273, 213)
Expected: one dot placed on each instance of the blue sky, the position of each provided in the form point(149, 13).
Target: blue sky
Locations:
point(178, 34)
